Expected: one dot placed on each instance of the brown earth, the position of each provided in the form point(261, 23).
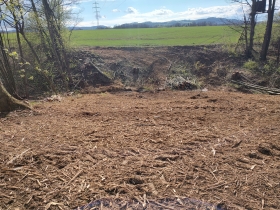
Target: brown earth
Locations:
point(149, 149)
point(151, 67)
point(128, 150)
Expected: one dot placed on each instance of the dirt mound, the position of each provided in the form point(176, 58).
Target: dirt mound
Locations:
point(163, 150)
point(152, 67)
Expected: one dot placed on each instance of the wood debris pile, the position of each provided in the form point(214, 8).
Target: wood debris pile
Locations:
point(240, 79)
point(163, 150)
point(179, 83)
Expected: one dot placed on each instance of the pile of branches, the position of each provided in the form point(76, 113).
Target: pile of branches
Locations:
point(179, 83)
point(240, 79)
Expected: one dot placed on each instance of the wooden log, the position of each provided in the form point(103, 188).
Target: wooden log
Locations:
point(9, 103)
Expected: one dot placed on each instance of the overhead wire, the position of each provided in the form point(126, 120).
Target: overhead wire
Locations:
point(120, 4)
point(105, 4)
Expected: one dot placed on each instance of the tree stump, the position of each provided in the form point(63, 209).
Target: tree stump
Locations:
point(9, 103)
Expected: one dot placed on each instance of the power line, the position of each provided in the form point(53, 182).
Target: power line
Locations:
point(96, 12)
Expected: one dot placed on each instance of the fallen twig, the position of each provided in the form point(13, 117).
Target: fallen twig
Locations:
point(237, 144)
point(216, 186)
point(52, 204)
point(214, 175)
point(81, 171)
point(13, 159)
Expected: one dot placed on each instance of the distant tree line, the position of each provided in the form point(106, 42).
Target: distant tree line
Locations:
point(132, 25)
point(168, 25)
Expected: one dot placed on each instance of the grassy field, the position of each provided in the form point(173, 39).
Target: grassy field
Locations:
point(155, 36)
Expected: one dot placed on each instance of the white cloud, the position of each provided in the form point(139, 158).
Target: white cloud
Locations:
point(131, 10)
point(216, 11)
point(163, 14)
point(116, 10)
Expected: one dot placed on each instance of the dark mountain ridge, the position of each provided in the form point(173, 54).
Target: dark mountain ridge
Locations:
point(211, 21)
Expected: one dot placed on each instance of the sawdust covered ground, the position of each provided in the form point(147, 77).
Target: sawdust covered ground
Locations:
point(166, 150)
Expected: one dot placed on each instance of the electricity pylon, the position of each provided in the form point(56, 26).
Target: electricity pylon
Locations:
point(96, 12)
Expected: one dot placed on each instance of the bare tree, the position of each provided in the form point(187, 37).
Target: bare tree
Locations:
point(268, 30)
point(58, 46)
point(50, 16)
point(16, 20)
point(259, 6)
point(6, 72)
point(249, 25)
point(7, 101)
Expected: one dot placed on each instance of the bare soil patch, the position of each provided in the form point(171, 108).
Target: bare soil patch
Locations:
point(163, 150)
point(151, 67)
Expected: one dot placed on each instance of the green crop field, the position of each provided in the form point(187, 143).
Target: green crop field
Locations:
point(180, 36)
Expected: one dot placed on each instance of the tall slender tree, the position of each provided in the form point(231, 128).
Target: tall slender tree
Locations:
point(249, 25)
point(268, 30)
point(15, 9)
point(8, 101)
point(58, 47)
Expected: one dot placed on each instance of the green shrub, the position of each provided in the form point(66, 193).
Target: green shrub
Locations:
point(251, 65)
point(271, 68)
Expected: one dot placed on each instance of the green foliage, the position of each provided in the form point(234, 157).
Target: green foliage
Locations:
point(198, 65)
point(109, 74)
point(155, 36)
point(266, 69)
point(270, 68)
point(41, 38)
point(13, 55)
point(251, 65)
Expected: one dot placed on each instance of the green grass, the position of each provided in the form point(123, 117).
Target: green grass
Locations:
point(155, 36)
point(179, 36)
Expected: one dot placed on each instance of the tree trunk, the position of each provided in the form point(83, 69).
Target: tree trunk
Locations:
point(6, 69)
point(278, 51)
point(252, 29)
point(267, 36)
point(22, 60)
point(8, 103)
point(57, 44)
point(43, 36)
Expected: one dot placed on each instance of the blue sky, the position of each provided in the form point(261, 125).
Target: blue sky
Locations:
point(115, 12)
